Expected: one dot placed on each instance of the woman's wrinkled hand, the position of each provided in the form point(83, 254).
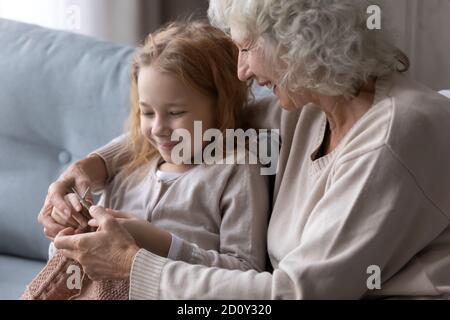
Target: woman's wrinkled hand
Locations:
point(106, 254)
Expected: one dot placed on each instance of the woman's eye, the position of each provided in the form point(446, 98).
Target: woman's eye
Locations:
point(147, 114)
point(244, 50)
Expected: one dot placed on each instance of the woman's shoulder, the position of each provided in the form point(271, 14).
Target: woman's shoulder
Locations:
point(411, 125)
point(406, 87)
point(420, 118)
point(414, 99)
point(405, 115)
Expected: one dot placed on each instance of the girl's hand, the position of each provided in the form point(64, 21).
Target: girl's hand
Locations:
point(122, 217)
point(89, 172)
point(145, 234)
point(77, 220)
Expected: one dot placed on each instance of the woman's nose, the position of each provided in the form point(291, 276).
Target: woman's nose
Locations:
point(244, 71)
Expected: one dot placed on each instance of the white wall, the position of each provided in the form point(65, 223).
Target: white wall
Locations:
point(42, 12)
point(114, 20)
point(422, 30)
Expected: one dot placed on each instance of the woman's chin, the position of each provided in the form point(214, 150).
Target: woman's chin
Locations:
point(287, 105)
point(285, 102)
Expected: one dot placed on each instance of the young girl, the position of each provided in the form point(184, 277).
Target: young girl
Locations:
point(213, 215)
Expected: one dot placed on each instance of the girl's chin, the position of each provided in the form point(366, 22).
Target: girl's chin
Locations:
point(166, 155)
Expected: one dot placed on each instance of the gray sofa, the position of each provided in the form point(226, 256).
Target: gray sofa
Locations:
point(61, 96)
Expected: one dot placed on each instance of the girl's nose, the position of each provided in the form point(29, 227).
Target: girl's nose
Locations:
point(244, 72)
point(160, 127)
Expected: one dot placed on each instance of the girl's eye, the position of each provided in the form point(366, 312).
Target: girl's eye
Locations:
point(147, 114)
point(178, 113)
point(244, 50)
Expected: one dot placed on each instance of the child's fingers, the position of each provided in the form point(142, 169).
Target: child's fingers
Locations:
point(56, 192)
point(76, 209)
point(81, 220)
point(66, 232)
point(73, 200)
point(80, 230)
point(89, 197)
point(62, 219)
point(51, 228)
point(93, 223)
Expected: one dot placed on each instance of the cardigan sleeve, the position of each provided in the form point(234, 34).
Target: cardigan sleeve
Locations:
point(109, 153)
point(373, 213)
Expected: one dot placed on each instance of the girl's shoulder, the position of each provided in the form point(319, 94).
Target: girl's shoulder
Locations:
point(238, 166)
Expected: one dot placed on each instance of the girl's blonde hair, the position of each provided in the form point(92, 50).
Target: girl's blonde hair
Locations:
point(202, 57)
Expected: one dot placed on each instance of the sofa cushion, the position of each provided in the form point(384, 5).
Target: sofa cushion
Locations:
point(62, 95)
point(15, 274)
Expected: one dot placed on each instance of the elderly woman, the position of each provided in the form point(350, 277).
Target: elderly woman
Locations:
point(361, 206)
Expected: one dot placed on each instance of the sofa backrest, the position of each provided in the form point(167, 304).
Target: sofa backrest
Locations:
point(61, 96)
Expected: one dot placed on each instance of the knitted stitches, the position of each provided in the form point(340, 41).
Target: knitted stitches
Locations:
point(51, 284)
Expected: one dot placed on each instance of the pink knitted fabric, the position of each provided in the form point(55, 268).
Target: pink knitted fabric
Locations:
point(51, 284)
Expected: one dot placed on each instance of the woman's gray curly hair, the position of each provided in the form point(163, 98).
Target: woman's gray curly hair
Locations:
point(324, 45)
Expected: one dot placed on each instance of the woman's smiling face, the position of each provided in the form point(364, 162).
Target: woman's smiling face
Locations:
point(254, 63)
point(167, 104)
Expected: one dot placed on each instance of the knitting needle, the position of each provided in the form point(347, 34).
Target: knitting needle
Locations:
point(86, 204)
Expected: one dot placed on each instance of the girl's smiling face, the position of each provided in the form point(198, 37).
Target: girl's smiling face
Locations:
point(167, 104)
